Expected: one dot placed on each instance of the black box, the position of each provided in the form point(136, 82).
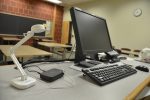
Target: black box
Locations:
point(51, 75)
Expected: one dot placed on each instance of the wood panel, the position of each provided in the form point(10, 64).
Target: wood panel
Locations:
point(65, 32)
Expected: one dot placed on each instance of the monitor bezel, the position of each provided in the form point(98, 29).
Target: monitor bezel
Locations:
point(80, 53)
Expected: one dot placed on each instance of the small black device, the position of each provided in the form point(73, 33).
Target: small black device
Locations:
point(111, 57)
point(108, 73)
point(142, 68)
point(112, 54)
point(51, 75)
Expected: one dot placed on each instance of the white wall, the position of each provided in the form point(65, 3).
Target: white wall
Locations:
point(125, 29)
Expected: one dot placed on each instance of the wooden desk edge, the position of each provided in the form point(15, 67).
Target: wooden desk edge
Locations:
point(138, 89)
point(54, 44)
point(11, 38)
point(44, 53)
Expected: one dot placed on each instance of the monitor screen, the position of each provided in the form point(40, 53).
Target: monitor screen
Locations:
point(91, 33)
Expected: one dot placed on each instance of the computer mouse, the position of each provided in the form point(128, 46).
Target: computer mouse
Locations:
point(142, 68)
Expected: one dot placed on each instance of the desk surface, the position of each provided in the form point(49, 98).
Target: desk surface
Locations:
point(47, 44)
point(81, 89)
point(23, 51)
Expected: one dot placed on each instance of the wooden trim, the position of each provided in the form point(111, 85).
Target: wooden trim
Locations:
point(138, 89)
point(54, 22)
point(9, 35)
point(54, 15)
point(65, 32)
point(22, 16)
point(21, 36)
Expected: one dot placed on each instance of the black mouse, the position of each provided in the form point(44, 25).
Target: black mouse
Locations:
point(142, 68)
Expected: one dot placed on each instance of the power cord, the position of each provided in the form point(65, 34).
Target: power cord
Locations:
point(71, 80)
point(35, 66)
point(72, 51)
point(66, 77)
point(39, 61)
point(33, 71)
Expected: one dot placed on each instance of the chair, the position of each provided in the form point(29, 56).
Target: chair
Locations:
point(65, 39)
point(62, 52)
point(118, 50)
point(135, 53)
point(125, 51)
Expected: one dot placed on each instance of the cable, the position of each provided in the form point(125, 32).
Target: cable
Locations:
point(69, 82)
point(33, 71)
point(38, 61)
point(49, 60)
point(72, 83)
point(72, 51)
point(35, 66)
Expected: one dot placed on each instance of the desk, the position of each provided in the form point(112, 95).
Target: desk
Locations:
point(82, 89)
point(55, 45)
point(10, 39)
point(47, 40)
point(23, 51)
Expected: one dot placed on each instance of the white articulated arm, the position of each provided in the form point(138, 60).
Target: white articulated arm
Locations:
point(24, 81)
point(15, 60)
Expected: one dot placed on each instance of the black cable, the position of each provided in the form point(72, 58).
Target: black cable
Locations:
point(38, 61)
point(34, 66)
point(33, 71)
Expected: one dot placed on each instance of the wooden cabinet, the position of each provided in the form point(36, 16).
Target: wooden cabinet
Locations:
point(66, 32)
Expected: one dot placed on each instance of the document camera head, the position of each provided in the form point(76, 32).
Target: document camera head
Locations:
point(38, 28)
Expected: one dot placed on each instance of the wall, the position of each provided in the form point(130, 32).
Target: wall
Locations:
point(35, 9)
point(125, 29)
point(58, 23)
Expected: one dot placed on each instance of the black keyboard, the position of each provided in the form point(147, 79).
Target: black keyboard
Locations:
point(88, 64)
point(107, 74)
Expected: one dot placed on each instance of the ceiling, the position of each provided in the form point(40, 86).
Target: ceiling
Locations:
point(72, 2)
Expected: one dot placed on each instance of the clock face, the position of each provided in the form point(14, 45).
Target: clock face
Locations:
point(137, 12)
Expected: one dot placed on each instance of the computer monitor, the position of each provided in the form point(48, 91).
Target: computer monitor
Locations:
point(91, 34)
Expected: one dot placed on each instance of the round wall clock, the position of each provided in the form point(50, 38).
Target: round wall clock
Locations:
point(137, 12)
